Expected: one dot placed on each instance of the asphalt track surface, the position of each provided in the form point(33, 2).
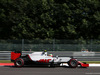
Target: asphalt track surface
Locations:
point(8, 70)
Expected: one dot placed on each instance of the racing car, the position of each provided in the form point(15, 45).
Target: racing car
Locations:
point(42, 58)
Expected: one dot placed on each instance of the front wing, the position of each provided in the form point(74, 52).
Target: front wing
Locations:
point(84, 65)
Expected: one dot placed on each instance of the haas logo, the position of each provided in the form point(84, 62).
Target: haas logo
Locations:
point(44, 60)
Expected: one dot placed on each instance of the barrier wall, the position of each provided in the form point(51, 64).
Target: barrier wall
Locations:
point(81, 56)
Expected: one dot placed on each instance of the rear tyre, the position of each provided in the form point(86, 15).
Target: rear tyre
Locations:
point(73, 63)
point(19, 62)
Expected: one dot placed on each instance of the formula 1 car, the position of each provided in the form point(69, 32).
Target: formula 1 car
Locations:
point(41, 58)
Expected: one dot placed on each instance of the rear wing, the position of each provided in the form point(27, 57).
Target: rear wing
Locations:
point(15, 55)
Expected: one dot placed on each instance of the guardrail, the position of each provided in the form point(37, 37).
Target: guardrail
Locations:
point(81, 56)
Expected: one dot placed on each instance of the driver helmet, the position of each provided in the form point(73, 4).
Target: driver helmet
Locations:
point(45, 50)
point(50, 55)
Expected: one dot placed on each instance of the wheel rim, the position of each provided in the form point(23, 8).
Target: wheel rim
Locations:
point(18, 63)
point(73, 63)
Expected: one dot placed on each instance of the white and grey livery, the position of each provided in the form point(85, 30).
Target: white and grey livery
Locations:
point(42, 58)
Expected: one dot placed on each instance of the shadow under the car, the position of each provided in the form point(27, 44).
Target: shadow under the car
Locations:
point(37, 66)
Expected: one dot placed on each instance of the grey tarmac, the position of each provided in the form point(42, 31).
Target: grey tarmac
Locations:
point(49, 71)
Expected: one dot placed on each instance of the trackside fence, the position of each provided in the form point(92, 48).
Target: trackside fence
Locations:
point(50, 45)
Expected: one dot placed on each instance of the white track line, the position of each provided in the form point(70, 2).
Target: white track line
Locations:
point(94, 65)
point(90, 65)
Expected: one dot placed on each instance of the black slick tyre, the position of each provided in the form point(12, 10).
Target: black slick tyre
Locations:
point(19, 62)
point(73, 63)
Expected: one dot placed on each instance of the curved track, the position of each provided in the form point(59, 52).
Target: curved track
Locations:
point(49, 71)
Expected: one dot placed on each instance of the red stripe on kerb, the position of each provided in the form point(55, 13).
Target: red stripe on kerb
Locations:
point(6, 64)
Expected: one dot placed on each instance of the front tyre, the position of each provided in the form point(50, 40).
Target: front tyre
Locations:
point(19, 62)
point(73, 63)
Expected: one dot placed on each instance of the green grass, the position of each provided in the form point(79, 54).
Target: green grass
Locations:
point(5, 61)
point(92, 62)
